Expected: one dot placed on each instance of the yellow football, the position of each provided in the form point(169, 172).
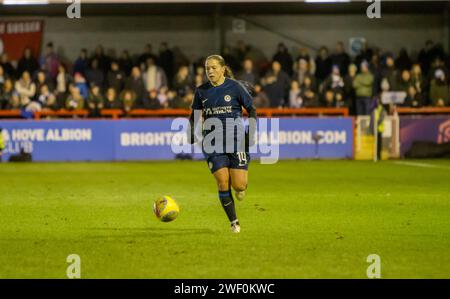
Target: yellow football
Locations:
point(166, 209)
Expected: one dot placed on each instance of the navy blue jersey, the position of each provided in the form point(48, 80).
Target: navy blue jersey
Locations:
point(223, 102)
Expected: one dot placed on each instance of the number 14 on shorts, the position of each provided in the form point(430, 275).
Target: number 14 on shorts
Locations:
point(242, 156)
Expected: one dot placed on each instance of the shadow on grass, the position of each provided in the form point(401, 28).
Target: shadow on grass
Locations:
point(147, 232)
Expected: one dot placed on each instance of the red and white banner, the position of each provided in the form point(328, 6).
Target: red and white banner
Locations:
point(15, 36)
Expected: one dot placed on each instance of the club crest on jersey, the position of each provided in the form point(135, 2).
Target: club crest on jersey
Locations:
point(227, 98)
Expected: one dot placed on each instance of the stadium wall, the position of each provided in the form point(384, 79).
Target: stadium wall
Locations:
point(197, 36)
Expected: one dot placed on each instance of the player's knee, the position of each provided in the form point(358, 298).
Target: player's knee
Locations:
point(240, 186)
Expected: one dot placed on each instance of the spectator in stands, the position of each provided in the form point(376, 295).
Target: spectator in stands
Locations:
point(136, 84)
point(8, 68)
point(241, 50)
point(260, 99)
point(376, 69)
point(198, 80)
point(49, 62)
point(27, 63)
point(349, 90)
point(439, 90)
point(276, 84)
point(428, 55)
point(148, 53)
point(248, 73)
point(437, 64)
point(125, 63)
point(413, 98)
point(163, 97)
point(341, 58)
point(41, 79)
point(200, 71)
point(116, 77)
point(103, 61)
point(6, 94)
point(172, 99)
point(176, 101)
point(365, 54)
point(303, 53)
point(295, 99)
point(308, 93)
point(260, 61)
point(14, 101)
point(302, 71)
point(403, 62)
point(179, 57)
point(425, 56)
point(405, 81)
point(182, 81)
point(323, 65)
point(3, 78)
point(340, 101)
point(95, 75)
point(81, 64)
point(188, 98)
point(334, 81)
point(284, 58)
point(75, 100)
point(154, 76)
point(375, 65)
point(328, 98)
point(25, 88)
point(152, 100)
point(384, 85)
point(46, 98)
point(63, 79)
point(111, 100)
point(95, 101)
point(231, 60)
point(166, 61)
point(390, 73)
point(363, 84)
point(417, 79)
point(82, 86)
point(183, 102)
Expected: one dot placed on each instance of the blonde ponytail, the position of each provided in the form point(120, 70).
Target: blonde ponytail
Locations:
point(228, 72)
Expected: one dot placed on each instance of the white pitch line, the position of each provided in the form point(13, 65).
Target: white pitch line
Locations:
point(418, 164)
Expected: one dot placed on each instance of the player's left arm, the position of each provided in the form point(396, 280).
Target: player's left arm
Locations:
point(246, 94)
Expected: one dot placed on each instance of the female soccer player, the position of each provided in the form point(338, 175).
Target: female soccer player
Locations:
point(221, 100)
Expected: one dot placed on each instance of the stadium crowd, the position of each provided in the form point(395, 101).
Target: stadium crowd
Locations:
point(167, 79)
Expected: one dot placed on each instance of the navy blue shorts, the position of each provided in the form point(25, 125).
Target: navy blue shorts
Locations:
point(229, 160)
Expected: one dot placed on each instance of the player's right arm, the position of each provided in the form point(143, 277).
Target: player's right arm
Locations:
point(197, 108)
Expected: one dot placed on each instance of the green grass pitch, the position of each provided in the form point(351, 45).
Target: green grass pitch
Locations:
point(300, 219)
